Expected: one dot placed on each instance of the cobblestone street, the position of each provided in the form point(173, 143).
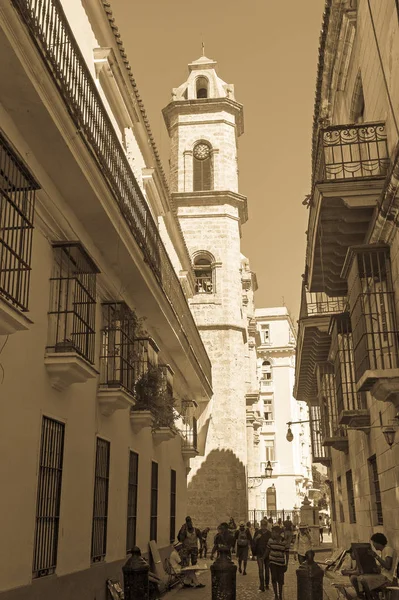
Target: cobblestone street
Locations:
point(247, 586)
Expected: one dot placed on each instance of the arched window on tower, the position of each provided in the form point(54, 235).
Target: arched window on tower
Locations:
point(202, 167)
point(202, 87)
point(204, 275)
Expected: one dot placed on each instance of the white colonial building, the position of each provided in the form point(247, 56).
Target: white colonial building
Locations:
point(269, 414)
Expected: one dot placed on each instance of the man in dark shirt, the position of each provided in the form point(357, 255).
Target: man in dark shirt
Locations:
point(204, 542)
point(276, 552)
point(260, 541)
point(223, 538)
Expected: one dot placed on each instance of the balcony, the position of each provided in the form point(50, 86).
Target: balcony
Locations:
point(350, 167)
point(106, 185)
point(313, 339)
point(333, 434)
point(189, 437)
point(320, 453)
point(266, 385)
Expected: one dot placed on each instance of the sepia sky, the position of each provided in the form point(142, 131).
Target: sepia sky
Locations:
point(268, 49)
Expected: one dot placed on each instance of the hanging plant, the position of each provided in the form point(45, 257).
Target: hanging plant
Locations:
point(151, 393)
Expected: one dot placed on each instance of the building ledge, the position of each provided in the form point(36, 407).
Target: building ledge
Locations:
point(188, 453)
point(382, 383)
point(115, 398)
point(140, 419)
point(12, 319)
point(67, 368)
point(162, 434)
point(337, 442)
point(322, 460)
point(355, 418)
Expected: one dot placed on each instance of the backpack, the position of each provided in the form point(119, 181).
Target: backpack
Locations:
point(242, 540)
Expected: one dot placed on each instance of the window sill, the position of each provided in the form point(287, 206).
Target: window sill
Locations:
point(205, 299)
point(11, 319)
point(67, 368)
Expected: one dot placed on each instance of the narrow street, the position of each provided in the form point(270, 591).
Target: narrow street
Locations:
point(248, 586)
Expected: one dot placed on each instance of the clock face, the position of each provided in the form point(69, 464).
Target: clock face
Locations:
point(201, 151)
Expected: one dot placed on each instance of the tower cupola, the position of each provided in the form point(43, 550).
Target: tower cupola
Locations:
point(203, 82)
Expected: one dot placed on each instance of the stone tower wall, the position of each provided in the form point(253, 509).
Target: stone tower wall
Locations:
point(216, 128)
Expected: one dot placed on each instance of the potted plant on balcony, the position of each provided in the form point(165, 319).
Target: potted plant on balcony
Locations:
point(155, 405)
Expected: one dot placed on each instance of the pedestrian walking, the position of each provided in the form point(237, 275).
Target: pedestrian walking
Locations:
point(288, 535)
point(189, 536)
point(243, 540)
point(303, 543)
point(259, 549)
point(223, 538)
point(321, 528)
point(251, 530)
point(277, 561)
point(204, 542)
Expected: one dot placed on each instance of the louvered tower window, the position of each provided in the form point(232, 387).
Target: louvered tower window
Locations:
point(202, 167)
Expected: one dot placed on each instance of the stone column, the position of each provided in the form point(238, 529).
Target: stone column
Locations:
point(310, 516)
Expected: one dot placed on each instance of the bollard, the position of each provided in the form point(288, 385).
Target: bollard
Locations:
point(309, 578)
point(224, 573)
point(135, 576)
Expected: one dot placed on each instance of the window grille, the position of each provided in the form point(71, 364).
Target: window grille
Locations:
point(265, 334)
point(342, 357)
point(145, 356)
point(204, 280)
point(72, 301)
point(328, 402)
point(351, 497)
point(154, 502)
point(372, 310)
point(132, 500)
point(340, 500)
point(172, 532)
point(189, 434)
point(100, 503)
point(48, 497)
point(118, 347)
point(375, 489)
point(319, 452)
point(202, 167)
point(17, 207)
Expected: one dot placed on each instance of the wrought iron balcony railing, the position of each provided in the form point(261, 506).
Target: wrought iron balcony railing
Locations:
point(189, 434)
point(316, 304)
point(51, 33)
point(352, 151)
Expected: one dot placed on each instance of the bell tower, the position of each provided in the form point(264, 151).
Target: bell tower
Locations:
point(204, 122)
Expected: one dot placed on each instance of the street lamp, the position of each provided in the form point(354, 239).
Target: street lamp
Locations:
point(254, 482)
point(290, 436)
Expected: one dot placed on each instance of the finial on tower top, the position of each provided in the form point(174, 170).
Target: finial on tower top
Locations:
point(203, 49)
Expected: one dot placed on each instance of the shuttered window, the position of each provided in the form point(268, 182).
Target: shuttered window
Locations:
point(202, 168)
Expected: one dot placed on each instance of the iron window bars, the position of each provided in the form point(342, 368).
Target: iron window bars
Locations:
point(72, 301)
point(353, 151)
point(100, 502)
point(340, 500)
point(51, 33)
point(154, 502)
point(318, 303)
point(342, 357)
point(351, 497)
point(372, 310)
point(145, 356)
point(48, 498)
point(172, 530)
point(17, 208)
point(132, 500)
point(376, 491)
point(118, 346)
point(189, 434)
point(328, 402)
point(319, 451)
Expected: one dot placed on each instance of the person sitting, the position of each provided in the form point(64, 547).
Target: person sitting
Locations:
point(190, 578)
point(376, 581)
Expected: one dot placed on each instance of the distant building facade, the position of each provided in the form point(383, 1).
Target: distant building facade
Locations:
point(270, 412)
point(204, 121)
point(94, 281)
point(347, 350)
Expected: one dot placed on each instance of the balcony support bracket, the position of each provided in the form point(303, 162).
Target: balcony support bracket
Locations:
point(67, 368)
point(383, 384)
point(111, 399)
point(11, 319)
